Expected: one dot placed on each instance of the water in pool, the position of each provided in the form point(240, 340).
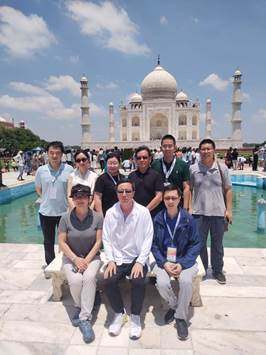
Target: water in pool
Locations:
point(19, 220)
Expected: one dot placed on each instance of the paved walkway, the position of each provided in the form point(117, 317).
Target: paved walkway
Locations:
point(232, 320)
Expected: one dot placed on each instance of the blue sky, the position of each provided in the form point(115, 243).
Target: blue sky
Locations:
point(47, 45)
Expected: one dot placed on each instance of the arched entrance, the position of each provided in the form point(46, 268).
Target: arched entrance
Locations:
point(158, 126)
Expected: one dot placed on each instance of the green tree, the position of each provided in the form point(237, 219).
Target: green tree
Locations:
point(14, 139)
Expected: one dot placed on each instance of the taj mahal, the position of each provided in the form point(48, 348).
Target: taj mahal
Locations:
point(159, 109)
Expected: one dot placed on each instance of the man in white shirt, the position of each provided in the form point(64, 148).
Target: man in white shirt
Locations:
point(127, 239)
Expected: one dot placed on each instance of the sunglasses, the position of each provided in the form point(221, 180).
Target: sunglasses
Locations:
point(168, 198)
point(142, 158)
point(124, 191)
point(82, 159)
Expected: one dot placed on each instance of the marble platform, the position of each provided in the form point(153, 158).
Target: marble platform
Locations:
point(231, 321)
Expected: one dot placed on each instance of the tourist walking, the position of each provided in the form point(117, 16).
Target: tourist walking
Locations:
point(235, 158)
point(255, 153)
point(82, 174)
point(173, 170)
point(80, 239)
point(105, 195)
point(51, 185)
point(148, 182)
point(212, 205)
point(176, 246)
point(19, 158)
point(127, 238)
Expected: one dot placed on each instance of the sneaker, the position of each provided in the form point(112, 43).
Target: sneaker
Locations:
point(118, 322)
point(219, 277)
point(182, 329)
point(75, 320)
point(135, 327)
point(169, 316)
point(87, 331)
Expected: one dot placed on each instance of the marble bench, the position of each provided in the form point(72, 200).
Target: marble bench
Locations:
point(54, 270)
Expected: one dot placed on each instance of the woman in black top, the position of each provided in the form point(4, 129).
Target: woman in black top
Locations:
point(105, 188)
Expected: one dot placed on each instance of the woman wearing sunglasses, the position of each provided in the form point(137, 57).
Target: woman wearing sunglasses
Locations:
point(82, 174)
point(176, 246)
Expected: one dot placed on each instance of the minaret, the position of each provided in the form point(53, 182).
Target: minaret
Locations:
point(208, 120)
point(111, 123)
point(236, 106)
point(85, 114)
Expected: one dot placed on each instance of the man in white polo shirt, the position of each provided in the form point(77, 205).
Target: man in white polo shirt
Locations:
point(51, 185)
point(127, 239)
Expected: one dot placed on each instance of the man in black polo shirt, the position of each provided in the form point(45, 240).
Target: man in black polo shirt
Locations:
point(148, 182)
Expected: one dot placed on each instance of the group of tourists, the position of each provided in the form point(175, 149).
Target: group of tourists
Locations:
point(165, 207)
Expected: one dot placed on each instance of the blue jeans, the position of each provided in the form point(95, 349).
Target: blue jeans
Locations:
point(215, 225)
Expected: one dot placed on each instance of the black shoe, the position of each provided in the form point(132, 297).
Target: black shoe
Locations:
point(182, 329)
point(219, 277)
point(169, 316)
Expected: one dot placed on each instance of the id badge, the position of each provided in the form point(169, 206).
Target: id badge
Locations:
point(52, 192)
point(171, 255)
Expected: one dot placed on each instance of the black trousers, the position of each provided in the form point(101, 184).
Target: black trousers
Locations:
point(48, 225)
point(113, 293)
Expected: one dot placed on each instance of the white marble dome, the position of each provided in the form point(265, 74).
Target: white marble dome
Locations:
point(135, 98)
point(181, 96)
point(208, 101)
point(158, 84)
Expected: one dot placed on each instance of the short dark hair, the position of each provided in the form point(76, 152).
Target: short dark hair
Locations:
point(207, 141)
point(82, 151)
point(112, 155)
point(172, 187)
point(80, 189)
point(56, 144)
point(143, 147)
point(168, 136)
point(125, 180)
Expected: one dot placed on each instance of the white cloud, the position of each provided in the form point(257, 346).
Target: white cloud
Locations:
point(107, 86)
point(23, 36)
point(215, 81)
point(109, 24)
point(63, 82)
point(163, 20)
point(27, 88)
point(42, 102)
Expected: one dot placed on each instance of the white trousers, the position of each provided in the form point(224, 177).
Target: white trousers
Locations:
point(83, 286)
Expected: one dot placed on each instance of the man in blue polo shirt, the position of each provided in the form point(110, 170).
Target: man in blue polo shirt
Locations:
point(51, 185)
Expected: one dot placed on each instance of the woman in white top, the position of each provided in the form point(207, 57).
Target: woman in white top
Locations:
point(82, 174)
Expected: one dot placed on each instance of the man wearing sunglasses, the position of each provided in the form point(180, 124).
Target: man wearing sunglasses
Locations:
point(148, 182)
point(127, 238)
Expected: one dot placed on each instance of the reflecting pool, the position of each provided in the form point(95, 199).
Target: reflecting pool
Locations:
point(19, 220)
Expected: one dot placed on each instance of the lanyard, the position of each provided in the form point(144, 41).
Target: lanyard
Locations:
point(176, 225)
point(113, 178)
point(169, 172)
point(57, 173)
